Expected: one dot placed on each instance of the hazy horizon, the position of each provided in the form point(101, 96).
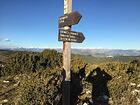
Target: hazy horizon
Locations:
point(2, 48)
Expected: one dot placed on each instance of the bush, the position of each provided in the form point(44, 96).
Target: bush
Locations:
point(22, 62)
point(41, 88)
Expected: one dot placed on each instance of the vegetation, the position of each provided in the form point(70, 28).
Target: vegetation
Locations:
point(98, 60)
point(22, 62)
point(31, 78)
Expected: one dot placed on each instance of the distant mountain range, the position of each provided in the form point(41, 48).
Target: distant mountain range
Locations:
point(105, 52)
point(90, 52)
point(111, 52)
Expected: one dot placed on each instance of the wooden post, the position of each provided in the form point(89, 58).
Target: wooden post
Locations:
point(67, 45)
point(67, 57)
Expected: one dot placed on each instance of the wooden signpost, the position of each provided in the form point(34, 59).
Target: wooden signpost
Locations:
point(70, 36)
point(67, 36)
point(69, 19)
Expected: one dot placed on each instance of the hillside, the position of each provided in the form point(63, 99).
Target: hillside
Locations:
point(98, 60)
point(33, 78)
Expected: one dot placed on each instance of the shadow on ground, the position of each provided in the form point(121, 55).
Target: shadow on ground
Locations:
point(98, 79)
point(100, 93)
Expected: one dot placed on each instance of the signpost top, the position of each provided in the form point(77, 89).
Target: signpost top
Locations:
point(67, 6)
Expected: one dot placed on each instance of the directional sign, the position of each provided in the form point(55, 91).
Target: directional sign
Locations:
point(70, 36)
point(69, 19)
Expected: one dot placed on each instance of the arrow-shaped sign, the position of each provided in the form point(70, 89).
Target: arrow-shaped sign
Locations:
point(70, 36)
point(69, 19)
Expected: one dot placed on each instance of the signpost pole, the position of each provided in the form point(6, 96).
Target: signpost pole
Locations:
point(67, 57)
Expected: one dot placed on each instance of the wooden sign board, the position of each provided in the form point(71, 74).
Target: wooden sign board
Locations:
point(70, 36)
point(69, 19)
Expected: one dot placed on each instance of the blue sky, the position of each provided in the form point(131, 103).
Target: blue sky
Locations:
point(105, 23)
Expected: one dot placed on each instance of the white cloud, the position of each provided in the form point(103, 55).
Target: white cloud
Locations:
point(4, 40)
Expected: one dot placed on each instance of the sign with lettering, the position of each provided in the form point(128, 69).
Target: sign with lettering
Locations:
point(69, 19)
point(70, 36)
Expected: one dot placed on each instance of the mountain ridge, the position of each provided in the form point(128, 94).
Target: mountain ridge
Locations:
point(87, 51)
